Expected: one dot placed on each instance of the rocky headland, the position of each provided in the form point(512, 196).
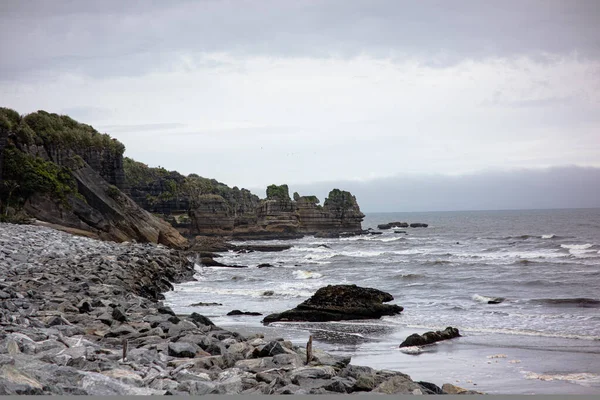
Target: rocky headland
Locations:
point(64, 173)
point(82, 316)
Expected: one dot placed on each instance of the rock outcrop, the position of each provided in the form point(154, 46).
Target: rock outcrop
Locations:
point(390, 225)
point(340, 213)
point(68, 174)
point(214, 209)
point(340, 302)
point(430, 337)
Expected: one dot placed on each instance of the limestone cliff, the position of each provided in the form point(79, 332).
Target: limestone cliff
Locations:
point(57, 170)
point(277, 217)
point(193, 204)
point(340, 213)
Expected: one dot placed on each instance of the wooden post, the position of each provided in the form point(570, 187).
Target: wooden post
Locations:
point(309, 354)
point(124, 349)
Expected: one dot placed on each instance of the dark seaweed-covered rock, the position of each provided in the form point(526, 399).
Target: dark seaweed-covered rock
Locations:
point(340, 302)
point(418, 225)
point(238, 312)
point(430, 337)
point(390, 225)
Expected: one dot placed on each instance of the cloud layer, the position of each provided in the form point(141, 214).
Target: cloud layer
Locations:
point(252, 93)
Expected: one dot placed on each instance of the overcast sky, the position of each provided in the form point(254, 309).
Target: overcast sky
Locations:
point(302, 92)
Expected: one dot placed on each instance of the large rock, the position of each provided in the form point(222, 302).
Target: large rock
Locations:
point(340, 302)
point(430, 337)
point(390, 225)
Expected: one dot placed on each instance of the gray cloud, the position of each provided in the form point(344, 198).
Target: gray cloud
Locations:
point(114, 38)
point(557, 187)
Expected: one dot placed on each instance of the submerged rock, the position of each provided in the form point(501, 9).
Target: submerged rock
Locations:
point(340, 302)
point(390, 225)
point(238, 312)
point(430, 337)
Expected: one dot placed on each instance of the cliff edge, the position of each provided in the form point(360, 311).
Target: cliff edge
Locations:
point(57, 170)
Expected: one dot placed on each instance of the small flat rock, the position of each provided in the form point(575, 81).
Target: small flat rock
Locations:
point(122, 330)
point(200, 319)
point(125, 376)
point(398, 385)
point(201, 304)
point(272, 349)
point(325, 372)
point(118, 315)
point(183, 349)
point(106, 319)
point(165, 310)
point(452, 389)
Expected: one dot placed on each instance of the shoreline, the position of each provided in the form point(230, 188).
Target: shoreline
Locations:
point(71, 305)
point(496, 363)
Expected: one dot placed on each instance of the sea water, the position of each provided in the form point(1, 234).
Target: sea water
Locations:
point(543, 338)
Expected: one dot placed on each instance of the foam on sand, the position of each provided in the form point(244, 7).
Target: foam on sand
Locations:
point(583, 378)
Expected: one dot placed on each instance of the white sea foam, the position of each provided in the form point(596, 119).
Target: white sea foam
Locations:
point(411, 350)
point(582, 378)
point(409, 251)
point(301, 274)
point(547, 236)
point(254, 293)
point(576, 246)
point(313, 249)
point(319, 256)
point(392, 239)
point(486, 299)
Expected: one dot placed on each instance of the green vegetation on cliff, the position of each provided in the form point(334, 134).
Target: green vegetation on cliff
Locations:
point(169, 192)
point(340, 199)
point(26, 175)
point(61, 130)
point(275, 192)
point(26, 163)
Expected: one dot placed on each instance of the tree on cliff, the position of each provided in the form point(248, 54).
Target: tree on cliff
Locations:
point(195, 186)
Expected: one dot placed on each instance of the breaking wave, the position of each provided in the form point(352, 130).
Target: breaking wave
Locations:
point(301, 274)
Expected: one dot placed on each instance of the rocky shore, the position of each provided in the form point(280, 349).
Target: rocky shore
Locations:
point(82, 316)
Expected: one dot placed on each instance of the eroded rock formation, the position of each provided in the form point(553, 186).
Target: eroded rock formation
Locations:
point(340, 302)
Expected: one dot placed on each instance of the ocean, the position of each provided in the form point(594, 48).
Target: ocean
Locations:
point(544, 338)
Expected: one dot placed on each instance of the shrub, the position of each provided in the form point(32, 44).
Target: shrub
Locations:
point(275, 192)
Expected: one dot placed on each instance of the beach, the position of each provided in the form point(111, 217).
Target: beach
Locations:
point(544, 263)
point(80, 316)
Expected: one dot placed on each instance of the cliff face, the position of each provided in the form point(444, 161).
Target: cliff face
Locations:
point(193, 204)
point(340, 213)
point(65, 173)
point(200, 206)
point(212, 216)
point(343, 207)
